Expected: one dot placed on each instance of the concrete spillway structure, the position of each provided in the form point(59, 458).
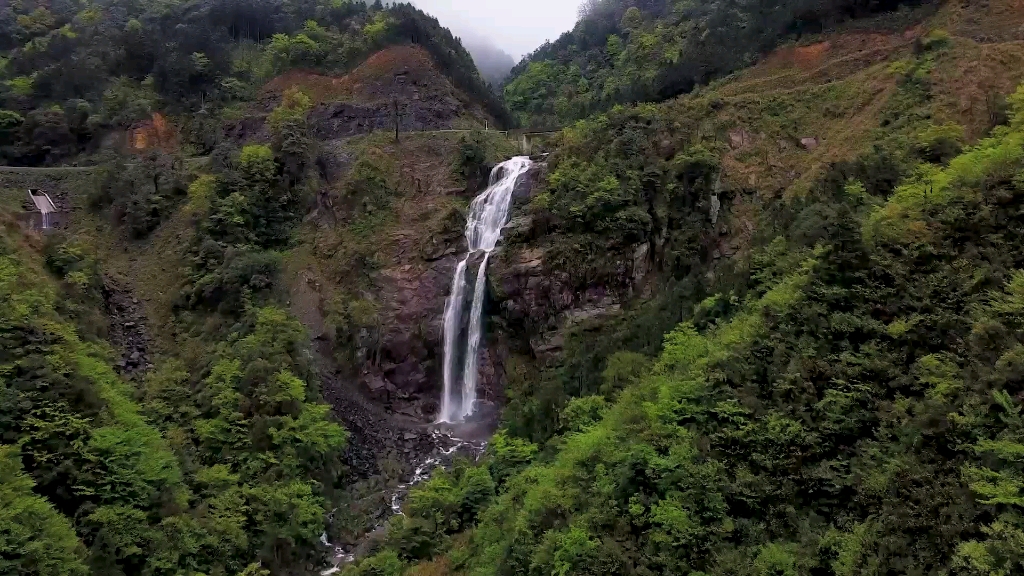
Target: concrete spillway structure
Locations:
point(44, 204)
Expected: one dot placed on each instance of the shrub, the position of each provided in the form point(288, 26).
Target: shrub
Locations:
point(582, 413)
point(623, 369)
point(243, 275)
point(36, 539)
point(143, 194)
point(294, 107)
point(936, 40)
point(941, 143)
point(21, 85)
point(452, 499)
point(201, 193)
point(256, 163)
point(472, 157)
point(10, 120)
point(369, 188)
point(508, 455)
point(127, 101)
point(386, 563)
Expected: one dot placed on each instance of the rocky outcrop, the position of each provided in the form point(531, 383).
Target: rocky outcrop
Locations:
point(404, 371)
point(537, 304)
point(252, 128)
point(399, 82)
point(417, 111)
point(400, 359)
point(375, 434)
point(344, 120)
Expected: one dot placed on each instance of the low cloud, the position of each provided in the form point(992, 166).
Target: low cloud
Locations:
point(516, 26)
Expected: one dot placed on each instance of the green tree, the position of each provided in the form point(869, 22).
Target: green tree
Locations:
point(34, 538)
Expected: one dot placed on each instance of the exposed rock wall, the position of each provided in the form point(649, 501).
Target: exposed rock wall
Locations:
point(400, 360)
point(400, 81)
point(537, 304)
point(344, 120)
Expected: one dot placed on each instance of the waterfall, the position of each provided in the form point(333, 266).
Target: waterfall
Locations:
point(488, 214)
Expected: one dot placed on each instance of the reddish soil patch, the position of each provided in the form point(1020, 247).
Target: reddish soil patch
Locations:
point(372, 81)
point(809, 57)
point(156, 132)
point(813, 56)
point(318, 87)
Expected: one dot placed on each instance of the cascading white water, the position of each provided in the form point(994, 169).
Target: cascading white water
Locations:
point(488, 214)
point(446, 448)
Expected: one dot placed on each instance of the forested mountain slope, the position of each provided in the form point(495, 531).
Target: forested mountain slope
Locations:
point(772, 328)
point(628, 51)
point(73, 72)
point(107, 477)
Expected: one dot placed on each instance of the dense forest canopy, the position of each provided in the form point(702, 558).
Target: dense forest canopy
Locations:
point(213, 471)
point(628, 51)
point(72, 71)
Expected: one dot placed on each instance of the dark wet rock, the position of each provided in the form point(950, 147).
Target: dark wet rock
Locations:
point(398, 362)
point(528, 184)
point(248, 129)
point(538, 305)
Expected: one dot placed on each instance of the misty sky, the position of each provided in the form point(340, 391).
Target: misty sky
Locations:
point(516, 26)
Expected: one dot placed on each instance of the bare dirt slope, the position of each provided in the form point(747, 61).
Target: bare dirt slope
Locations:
point(365, 100)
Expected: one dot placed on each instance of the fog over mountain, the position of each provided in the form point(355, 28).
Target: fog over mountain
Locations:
point(493, 62)
point(490, 28)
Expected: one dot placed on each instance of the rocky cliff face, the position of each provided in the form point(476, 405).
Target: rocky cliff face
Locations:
point(405, 370)
point(532, 304)
point(373, 285)
point(536, 303)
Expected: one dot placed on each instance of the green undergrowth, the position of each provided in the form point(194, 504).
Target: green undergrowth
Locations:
point(650, 176)
point(196, 469)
